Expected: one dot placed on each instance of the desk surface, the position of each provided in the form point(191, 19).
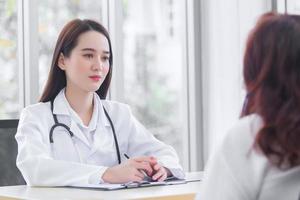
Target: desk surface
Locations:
point(183, 191)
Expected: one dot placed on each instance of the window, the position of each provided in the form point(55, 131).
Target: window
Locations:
point(287, 6)
point(293, 7)
point(224, 37)
point(153, 56)
point(151, 59)
point(9, 98)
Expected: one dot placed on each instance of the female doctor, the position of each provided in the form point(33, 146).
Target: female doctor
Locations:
point(74, 136)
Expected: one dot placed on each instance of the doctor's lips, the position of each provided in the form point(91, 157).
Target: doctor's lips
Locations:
point(95, 78)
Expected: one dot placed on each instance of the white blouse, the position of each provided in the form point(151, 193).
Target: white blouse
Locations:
point(237, 171)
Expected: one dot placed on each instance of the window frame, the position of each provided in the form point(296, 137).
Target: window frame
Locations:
point(28, 51)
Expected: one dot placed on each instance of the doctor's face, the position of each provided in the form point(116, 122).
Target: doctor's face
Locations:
point(88, 63)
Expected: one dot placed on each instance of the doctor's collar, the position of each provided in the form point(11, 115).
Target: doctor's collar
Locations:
point(101, 114)
point(60, 107)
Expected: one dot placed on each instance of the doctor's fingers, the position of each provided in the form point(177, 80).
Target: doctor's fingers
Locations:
point(144, 166)
point(163, 177)
point(149, 159)
point(136, 179)
point(137, 175)
point(160, 175)
point(157, 167)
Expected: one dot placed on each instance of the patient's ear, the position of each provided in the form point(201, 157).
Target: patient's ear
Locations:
point(61, 62)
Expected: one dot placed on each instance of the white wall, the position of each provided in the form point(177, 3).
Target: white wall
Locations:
point(225, 26)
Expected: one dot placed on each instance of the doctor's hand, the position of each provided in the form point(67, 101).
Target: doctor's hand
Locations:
point(130, 170)
point(160, 172)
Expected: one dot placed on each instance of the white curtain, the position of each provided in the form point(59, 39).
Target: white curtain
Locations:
point(225, 26)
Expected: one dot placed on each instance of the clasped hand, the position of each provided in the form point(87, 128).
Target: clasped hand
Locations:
point(134, 169)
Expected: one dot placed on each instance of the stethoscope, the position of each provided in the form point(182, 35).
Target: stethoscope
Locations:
point(58, 124)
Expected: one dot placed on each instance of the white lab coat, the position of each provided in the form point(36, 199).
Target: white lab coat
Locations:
point(78, 161)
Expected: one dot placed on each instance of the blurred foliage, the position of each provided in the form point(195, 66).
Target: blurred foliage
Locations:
point(9, 98)
point(151, 89)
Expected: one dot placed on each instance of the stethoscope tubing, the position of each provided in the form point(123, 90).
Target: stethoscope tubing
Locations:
point(57, 124)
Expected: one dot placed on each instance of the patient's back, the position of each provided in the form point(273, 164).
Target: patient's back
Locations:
point(283, 185)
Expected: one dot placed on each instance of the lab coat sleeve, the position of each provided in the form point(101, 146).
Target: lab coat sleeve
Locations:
point(36, 164)
point(142, 142)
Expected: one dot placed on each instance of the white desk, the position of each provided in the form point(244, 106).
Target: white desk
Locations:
point(183, 191)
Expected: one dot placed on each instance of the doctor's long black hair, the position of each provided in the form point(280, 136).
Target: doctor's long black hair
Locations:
point(66, 42)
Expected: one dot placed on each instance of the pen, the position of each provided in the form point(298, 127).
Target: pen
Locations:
point(126, 155)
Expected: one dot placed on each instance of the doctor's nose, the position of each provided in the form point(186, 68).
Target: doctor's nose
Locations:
point(98, 64)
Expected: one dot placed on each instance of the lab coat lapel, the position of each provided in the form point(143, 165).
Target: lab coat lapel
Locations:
point(100, 136)
point(78, 133)
point(103, 142)
point(59, 104)
point(62, 112)
point(98, 141)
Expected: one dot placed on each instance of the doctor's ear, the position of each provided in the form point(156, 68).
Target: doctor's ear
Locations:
point(61, 62)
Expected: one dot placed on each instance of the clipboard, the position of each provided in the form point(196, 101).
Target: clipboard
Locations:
point(109, 187)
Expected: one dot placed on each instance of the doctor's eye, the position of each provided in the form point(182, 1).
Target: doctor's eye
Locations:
point(105, 58)
point(89, 55)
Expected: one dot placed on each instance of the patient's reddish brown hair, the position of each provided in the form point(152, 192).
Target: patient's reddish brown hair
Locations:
point(272, 80)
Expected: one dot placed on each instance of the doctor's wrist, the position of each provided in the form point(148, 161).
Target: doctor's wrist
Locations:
point(107, 176)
